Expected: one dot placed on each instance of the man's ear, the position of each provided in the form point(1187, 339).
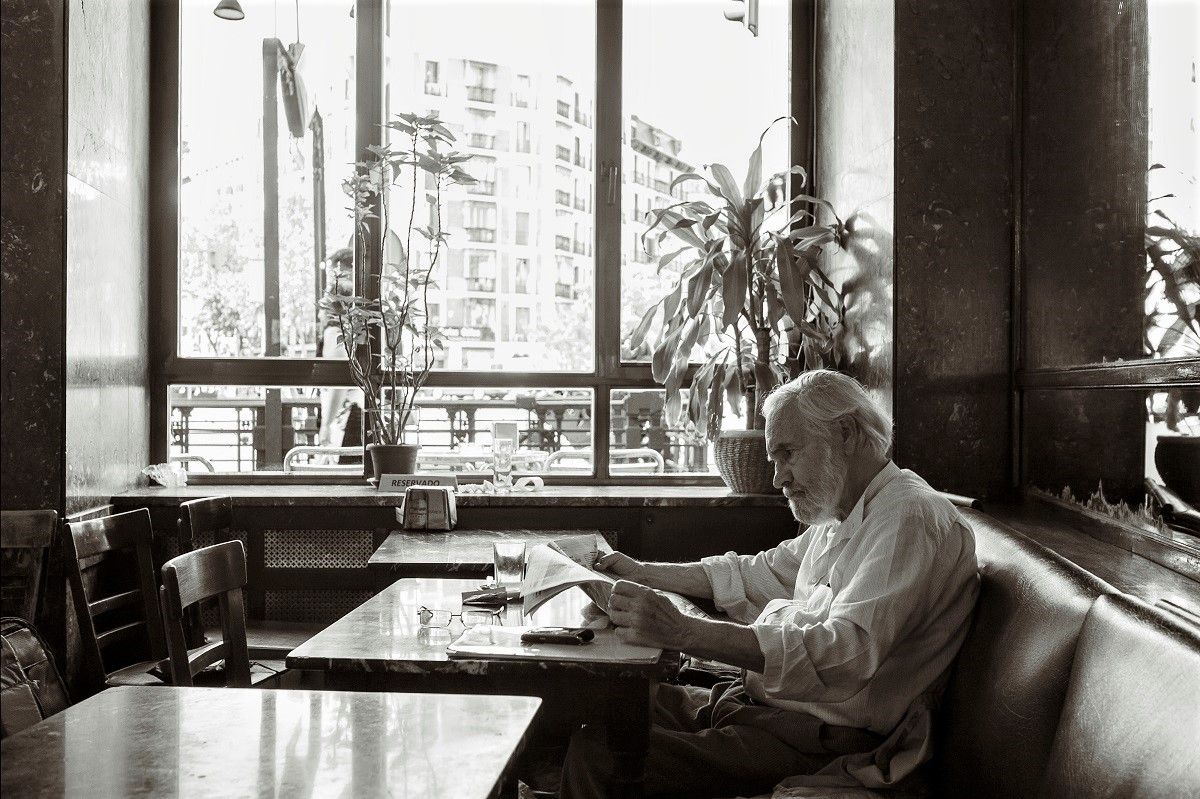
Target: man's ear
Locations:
point(848, 432)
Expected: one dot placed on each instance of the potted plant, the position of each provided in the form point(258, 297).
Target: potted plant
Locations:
point(1173, 330)
point(390, 342)
point(750, 296)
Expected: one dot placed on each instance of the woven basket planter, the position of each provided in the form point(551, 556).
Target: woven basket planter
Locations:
point(741, 457)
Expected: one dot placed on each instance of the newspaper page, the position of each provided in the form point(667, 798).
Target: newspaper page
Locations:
point(565, 563)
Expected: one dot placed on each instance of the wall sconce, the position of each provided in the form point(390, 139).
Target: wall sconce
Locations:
point(229, 9)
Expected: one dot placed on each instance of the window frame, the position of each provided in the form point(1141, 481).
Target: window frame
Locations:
point(609, 372)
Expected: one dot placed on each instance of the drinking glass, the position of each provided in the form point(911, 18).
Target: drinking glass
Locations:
point(502, 459)
point(508, 557)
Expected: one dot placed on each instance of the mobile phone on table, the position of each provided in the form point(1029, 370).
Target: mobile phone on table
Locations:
point(557, 635)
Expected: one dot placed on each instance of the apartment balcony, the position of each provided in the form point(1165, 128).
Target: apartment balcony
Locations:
point(663, 185)
point(562, 153)
point(562, 197)
point(484, 284)
point(565, 291)
point(482, 187)
point(436, 89)
point(484, 141)
point(522, 147)
point(562, 243)
point(487, 235)
point(481, 94)
point(520, 101)
point(641, 179)
point(580, 204)
point(583, 119)
point(581, 160)
point(581, 248)
point(564, 109)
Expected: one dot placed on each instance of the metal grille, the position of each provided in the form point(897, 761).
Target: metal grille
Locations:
point(316, 549)
point(324, 607)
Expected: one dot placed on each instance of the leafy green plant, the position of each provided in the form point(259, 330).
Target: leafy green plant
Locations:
point(749, 292)
point(390, 342)
point(1172, 302)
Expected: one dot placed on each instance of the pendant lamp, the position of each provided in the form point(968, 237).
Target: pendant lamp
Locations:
point(229, 9)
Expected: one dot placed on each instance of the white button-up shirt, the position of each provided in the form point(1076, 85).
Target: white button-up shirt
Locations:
point(857, 619)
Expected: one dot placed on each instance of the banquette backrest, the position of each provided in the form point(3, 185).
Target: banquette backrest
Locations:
point(1130, 725)
point(1001, 708)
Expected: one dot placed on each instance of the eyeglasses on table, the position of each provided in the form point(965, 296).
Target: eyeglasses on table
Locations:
point(469, 617)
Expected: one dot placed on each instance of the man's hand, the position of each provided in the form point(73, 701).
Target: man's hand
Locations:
point(618, 564)
point(645, 617)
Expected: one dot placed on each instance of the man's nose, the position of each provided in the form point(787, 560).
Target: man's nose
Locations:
point(779, 478)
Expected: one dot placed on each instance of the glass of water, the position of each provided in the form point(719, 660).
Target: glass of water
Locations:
point(502, 463)
point(508, 558)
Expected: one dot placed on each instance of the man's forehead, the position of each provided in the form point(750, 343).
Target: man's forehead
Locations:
point(783, 428)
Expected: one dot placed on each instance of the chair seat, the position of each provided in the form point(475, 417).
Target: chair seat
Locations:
point(135, 674)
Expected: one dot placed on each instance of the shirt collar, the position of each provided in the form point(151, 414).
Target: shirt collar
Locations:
point(852, 523)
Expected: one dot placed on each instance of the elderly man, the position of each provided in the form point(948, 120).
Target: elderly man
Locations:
point(842, 633)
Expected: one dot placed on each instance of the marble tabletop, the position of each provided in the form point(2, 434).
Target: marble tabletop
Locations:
point(383, 635)
point(466, 553)
point(216, 742)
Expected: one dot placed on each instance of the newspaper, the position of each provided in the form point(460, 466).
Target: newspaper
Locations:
point(565, 563)
point(568, 562)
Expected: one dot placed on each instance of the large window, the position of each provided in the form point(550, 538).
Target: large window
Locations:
point(570, 150)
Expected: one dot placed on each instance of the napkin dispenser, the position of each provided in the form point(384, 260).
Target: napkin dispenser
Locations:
point(430, 508)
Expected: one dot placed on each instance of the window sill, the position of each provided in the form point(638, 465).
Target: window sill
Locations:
point(358, 495)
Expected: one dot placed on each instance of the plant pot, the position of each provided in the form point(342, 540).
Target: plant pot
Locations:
point(393, 458)
point(741, 457)
point(1178, 461)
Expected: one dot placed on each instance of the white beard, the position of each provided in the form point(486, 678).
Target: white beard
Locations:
point(818, 505)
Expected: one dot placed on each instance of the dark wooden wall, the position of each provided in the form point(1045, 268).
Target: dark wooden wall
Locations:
point(1085, 150)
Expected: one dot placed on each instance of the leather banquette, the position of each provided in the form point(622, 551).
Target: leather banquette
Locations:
point(1064, 687)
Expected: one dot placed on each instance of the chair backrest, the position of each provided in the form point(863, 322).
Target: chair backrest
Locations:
point(25, 535)
point(1009, 681)
point(1131, 724)
point(106, 582)
point(203, 522)
point(216, 571)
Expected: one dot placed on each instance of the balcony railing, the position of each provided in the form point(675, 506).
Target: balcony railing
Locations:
point(433, 88)
point(483, 234)
point(520, 101)
point(522, 147)
point(485, 284)
point(562, 243)
point(641, 179)
point(581, 248)
point(482, 187)
point(581, 160)
point(580, 204)
point(663, 185)
point(564, 291)
point(564, 109)
point(583, 119)
point(482, 94)
point(485, 141)
point(562, 197)
point(562, 153)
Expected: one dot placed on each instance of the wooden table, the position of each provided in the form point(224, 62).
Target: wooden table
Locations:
point(380, 646)
point(457, 553)
point(215, 742)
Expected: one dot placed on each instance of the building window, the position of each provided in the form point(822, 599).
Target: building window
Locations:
point(245, 288)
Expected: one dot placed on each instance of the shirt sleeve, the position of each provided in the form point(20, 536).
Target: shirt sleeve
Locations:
point(833, 660)
point(742, 585)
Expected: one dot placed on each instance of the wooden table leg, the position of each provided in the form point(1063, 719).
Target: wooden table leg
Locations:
point(628, 726)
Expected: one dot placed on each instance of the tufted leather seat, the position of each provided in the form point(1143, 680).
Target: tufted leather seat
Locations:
point(1131, 722)
point(1006, 690)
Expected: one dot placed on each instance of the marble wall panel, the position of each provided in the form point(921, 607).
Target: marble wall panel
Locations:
point(107, 407)
point(855, 124)
point(954, 193)
point(32, 208)
point(1085, 158)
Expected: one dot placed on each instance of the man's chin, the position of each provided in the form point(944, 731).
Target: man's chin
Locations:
point(808, 515)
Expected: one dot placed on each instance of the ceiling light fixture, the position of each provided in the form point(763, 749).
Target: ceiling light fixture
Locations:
point(229, 9)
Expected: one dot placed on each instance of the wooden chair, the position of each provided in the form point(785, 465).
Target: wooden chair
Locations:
point(215, 571)
point(204, 522)
point(98, 560)
point(25, 536)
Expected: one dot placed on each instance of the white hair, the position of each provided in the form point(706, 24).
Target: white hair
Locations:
point(821, 398)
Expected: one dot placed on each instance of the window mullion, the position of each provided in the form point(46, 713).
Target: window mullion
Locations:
point(608, 222)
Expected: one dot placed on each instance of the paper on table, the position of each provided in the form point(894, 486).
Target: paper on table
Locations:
point(504, 643)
